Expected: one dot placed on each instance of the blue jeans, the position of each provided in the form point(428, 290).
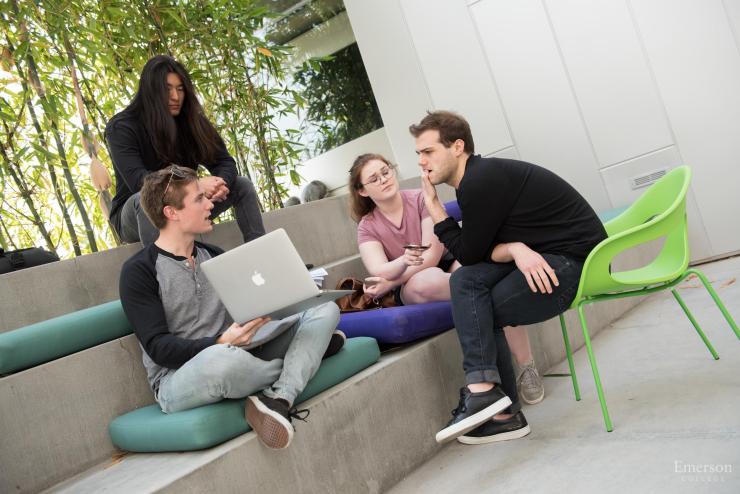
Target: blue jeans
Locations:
point(488, 296)
point(135, 225)
point(281, 367)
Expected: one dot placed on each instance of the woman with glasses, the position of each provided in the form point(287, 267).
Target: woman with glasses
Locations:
point(396, 236)
point(389, 219)
point(165, 124)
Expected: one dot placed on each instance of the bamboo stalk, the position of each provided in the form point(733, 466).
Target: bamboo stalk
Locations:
point(49, 165)
point(6, 234)
point(16, 173)
point(38, 87)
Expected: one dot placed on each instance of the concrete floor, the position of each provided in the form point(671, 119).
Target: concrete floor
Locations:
point(674, 409)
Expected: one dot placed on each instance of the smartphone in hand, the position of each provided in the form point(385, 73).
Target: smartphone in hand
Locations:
point(416, 247)
point(371, 281)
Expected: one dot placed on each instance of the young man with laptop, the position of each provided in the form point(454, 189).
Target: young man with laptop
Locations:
point(193, 351)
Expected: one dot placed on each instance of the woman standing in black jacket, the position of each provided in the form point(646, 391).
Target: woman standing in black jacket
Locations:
point(165, 124)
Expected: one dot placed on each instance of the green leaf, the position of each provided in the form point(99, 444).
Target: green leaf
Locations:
point(43, 151)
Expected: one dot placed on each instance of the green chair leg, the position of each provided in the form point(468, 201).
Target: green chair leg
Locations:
point(696, 325)
point(569, 354)
point(717, 300)
point(595, 370)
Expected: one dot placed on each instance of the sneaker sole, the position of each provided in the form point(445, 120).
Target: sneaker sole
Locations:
point(472, 422)
point(535, 401)
point(273, 429)
point(504, 436)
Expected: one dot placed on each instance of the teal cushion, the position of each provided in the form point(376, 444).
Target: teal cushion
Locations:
point(48, 340)
point(149, 430)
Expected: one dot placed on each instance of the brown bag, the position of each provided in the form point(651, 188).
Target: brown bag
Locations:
point(358, 301)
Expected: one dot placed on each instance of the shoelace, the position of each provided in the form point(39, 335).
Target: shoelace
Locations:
point(461, 405)
point(301, 415)
point(527, 377)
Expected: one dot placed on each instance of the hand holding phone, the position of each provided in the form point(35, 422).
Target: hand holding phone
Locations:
point(371, 281)
point(416, 247)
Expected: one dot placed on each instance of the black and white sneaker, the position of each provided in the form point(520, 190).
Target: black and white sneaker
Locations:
point(473, 410)
point(497, 430)
point(335, 343)
point(271, 420)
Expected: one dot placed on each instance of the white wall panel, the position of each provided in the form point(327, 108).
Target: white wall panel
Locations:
point(732, 7)
point(456, 70)
point(617, 180)
point(332, 166)
point(395, 75)
point(694, 57)
point(610, 76)
point(508, 154)
point(543, 116)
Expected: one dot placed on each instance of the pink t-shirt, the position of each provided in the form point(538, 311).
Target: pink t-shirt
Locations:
point(374, 226)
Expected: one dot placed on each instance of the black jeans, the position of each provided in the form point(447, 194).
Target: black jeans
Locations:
point(135, 225)
point(488, 296)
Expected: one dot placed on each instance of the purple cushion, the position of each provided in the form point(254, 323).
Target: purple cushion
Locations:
point(398, 324)
point(453, 209)
point(402, 324)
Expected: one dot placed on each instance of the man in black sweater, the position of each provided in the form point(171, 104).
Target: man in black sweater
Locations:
point(165, 124)
point(524, 237)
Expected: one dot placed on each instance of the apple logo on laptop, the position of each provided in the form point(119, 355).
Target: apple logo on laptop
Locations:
point(257, 278)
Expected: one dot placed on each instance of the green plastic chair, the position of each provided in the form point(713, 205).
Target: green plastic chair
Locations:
point(659, 212)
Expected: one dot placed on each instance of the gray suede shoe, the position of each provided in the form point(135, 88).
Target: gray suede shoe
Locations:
point(529, 384)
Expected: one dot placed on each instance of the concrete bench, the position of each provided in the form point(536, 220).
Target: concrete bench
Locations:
point(54, 415)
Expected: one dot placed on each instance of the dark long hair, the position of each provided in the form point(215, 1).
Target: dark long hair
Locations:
point(187, 138)
point(360, 205)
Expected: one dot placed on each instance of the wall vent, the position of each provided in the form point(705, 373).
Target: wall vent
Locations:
point(647, 179)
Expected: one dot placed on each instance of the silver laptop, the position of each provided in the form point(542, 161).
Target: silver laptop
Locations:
point(265, 277)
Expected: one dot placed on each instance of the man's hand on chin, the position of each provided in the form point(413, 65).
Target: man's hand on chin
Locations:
point(434, 206)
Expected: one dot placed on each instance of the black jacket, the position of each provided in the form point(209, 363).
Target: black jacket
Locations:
point(134, 157)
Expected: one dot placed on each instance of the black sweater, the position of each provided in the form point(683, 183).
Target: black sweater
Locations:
point(134, 157)
point(506, 201)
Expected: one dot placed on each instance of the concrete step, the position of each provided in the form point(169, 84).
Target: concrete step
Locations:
point(362, 435)
point(322, 231)
point(60, 411)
